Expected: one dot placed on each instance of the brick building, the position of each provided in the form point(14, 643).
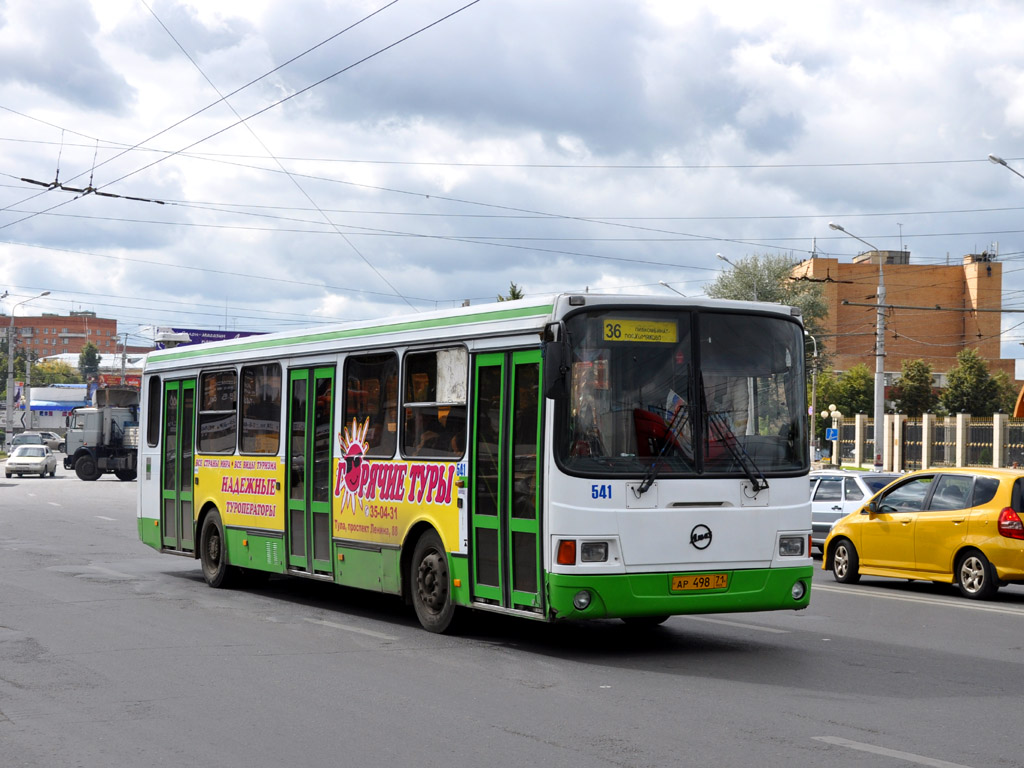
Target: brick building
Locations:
point(51, 334)
point(969, 295)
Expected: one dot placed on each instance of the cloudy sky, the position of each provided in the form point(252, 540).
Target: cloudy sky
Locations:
point(320, 160)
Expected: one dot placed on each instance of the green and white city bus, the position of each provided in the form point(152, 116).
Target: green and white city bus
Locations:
point(570, 458)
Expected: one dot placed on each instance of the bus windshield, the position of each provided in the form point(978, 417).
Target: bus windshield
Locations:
point(692, 393)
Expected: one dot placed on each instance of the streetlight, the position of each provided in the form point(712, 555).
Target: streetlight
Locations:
point(736, 269)
point(837, 416)
point(662, 282)
point(999, 161)
point(10, 367)
point(879, 350)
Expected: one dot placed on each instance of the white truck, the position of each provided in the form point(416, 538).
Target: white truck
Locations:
point(105, 438)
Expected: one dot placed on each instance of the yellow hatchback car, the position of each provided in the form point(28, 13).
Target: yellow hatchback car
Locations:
point(958, 526)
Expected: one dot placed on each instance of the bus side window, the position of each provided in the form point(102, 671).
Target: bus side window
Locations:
point(371, 391)
point(261, 408)
point(218, 420)
point(153, 413)
point(434, 404)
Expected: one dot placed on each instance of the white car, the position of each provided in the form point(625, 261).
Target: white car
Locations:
point(837, 493)
point(31, 460)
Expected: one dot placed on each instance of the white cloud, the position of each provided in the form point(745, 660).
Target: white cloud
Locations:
point(496, 146)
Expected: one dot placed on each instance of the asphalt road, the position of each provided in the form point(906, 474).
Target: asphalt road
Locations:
point(114, 655)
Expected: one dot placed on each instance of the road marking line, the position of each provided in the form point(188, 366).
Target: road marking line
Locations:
point(739, 624)
point(110, 572)
point(349, 628)
point(946, 601)
point(53, 503)
point(908, 756)
point(111, 519)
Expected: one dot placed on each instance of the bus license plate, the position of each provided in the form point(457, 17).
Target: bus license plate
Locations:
point(700, 581)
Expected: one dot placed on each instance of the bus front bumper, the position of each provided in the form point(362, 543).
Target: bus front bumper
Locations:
point(652, 594)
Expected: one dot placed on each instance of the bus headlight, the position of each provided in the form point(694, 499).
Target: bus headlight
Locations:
point(799, 590)
point(791, 546)
point(594, 551)
point(581, 600)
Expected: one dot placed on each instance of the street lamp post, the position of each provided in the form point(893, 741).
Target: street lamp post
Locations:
point(10, 366)
point(879, 415)
point(736, 269)
point(662, 282)
point(999, 161)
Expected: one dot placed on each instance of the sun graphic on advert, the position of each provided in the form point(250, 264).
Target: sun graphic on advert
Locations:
point(354, 469)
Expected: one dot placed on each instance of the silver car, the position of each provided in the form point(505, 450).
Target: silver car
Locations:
point(836, 493)
point(54, 441)
point(31, 460)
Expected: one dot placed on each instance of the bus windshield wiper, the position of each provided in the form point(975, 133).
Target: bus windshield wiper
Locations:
point(728, 438)
point(671, 436)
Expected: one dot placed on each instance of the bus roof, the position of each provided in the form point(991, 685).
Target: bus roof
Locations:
point(522, 316)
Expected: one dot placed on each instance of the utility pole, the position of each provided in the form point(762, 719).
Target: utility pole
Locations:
point(879, 416)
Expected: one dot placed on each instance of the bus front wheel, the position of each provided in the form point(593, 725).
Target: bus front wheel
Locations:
point(430, 584)
point(213, 552)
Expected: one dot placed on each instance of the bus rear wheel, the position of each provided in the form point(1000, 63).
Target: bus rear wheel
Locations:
point(86, 468)
point(213, 553)
point(430, 584)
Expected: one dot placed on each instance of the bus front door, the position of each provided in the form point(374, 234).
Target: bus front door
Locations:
point(176, 521)
point(505, 483)
point(310, 395)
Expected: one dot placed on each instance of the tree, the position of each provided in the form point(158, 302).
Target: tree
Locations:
point(969, 387)
point(851, 393)
point(514, 292)
point(1006, 391)
point(54, 372)
point(914, 393)
point(766, 277)
point(89, 361)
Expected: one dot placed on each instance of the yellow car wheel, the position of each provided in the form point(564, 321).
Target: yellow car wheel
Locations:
point(845, 563)
point(975, 576)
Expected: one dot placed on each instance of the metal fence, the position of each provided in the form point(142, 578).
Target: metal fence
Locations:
point(913, 444)
point(848, 442)
point(932, 441)
point(1013, 443)
point(943, 443)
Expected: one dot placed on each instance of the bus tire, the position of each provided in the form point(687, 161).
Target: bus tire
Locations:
point(86, 468)
point(213, 553)
point(845, 562)
point(430, 584)
point(124, 474)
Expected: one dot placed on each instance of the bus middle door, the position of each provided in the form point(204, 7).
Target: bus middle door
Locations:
point(505, 482)
point(308, 471)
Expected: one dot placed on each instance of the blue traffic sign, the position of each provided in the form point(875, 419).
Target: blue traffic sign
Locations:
point(832, 433)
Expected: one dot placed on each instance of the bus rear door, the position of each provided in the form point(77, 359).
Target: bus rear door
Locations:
point(310, 394)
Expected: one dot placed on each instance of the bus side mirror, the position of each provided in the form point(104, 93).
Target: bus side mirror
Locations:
point(555, 352)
